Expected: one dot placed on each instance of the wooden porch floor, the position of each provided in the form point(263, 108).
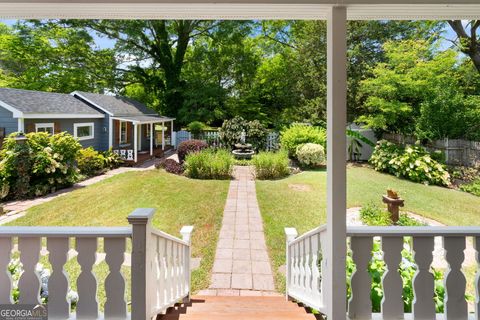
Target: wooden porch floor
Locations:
point(144, 156)
point(238, 308)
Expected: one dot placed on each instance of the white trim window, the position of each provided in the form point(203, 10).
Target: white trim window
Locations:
point(123, 132)
point(84, 131)
point(45, 127)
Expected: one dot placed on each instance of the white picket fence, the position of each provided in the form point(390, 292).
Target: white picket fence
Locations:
point(272, 142)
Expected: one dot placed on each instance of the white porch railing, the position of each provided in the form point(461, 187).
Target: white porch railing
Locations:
point(305, 266)
point(152, 273)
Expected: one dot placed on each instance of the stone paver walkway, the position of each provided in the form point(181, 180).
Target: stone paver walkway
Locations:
point(242, 265)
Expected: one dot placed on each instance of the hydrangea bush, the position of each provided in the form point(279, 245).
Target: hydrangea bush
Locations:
point(411, 162)
point(311, 155)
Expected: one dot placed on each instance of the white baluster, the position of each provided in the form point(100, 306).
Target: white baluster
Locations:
point(175, 271)
point(87, 306)
point(5, 276)
point(476, 244)
point(308, 265)
point(161, 279)
point(301, 283)
point(58, 286)
point(455, 284)
point(168, 262)
point(392, 302)
point(181, 275)
point(360, 305)
point(29, 283)
point(423, 281)
point(315, 281)
point(115, 305)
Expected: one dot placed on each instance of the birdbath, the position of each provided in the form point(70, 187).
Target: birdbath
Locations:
point(394, 202)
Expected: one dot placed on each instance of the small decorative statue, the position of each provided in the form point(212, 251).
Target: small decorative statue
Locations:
point(394, 202)
point(243, 137)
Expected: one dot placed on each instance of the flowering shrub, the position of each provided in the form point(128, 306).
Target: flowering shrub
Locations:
point(472, 187)
point(171, 166)
point(412, 162)
point(299, 134)
point(255, 133)
point(42, 164)
point(190, 146)
point(15, 268)
point(311, 155)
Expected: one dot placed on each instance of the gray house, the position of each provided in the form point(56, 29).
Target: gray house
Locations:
point(99, 121)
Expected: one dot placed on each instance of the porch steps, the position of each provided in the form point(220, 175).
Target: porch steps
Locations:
point(237, 308)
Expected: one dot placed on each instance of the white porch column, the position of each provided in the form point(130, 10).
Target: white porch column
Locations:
point(336, 161)
point(135, 141)
point(151, 139)
point(21, 125)
point(110, 132)
point(163, 135)
point(171, 133)
point(140, 130)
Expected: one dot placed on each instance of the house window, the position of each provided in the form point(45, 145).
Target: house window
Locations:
point(123, 132)
point(45, 127)
point(83, 131)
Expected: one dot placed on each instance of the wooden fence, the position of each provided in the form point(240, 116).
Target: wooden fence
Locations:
point(457, 151)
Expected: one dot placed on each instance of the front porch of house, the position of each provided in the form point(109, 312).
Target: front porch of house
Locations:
point(140, 138)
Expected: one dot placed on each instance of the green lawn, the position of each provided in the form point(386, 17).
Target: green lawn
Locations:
point(179, 201)
point(300, 201)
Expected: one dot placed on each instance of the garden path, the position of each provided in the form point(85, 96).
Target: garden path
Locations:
point(242, 265)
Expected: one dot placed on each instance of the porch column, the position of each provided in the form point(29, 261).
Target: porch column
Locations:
point(110, 132)
point(21, 125)
point(151, 139)
point(135, 141)
point(336, 161)
point(163, 135)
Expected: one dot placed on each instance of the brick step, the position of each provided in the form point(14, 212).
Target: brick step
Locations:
point(232, 308)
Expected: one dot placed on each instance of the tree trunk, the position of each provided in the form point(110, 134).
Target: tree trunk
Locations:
point(468, 43)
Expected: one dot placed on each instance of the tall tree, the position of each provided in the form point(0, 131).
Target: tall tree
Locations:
point(468, 40)
point(53, 59)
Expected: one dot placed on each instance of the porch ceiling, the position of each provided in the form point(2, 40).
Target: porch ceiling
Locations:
point(143, 119)
point(240, 9)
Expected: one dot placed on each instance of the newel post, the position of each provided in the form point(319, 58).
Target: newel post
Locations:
point(140, 219)
point(291, 234)
point(186, 233)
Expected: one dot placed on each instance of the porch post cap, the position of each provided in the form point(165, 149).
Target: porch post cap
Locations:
point(186, 230)
point(141, 215)
point(291, 232)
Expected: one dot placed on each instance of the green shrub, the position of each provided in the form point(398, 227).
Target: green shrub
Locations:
point(311, 155)
point(472, 187)
point(412, 162)
point(255, 133)
point(271, 165)
point(90, 162)
point(299, 134)
point(42, 164)
point(196, 128)
point(209, 164)
point(372, 215)
point(112, 159)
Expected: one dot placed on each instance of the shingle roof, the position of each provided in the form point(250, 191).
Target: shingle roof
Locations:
point(28, 102)
point(117, 105)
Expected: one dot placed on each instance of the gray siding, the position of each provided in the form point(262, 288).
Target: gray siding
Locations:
point(7, 121)
point(100, 135)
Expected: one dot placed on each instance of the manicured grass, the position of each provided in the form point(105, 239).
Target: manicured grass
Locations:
point(300, 201)
point(179, 201)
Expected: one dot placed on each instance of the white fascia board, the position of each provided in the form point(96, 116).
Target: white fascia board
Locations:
point(16, 113)
point(75, 93)
point(62, 116)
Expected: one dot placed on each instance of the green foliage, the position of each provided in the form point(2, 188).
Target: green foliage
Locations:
point(255, 133)
point(372, 215)
point(420, 91)
point(407, 270)
point(412, 162)
point(311, 155)
point(112, 159)
point(196, 128)
point(271, 165)
point(40, 165)
point(90, 162)
point(472, 187)
point(299, 134)
point(209, 164)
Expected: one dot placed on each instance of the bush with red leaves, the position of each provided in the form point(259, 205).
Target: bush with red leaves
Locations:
point(171, 166)
point(190, 146)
